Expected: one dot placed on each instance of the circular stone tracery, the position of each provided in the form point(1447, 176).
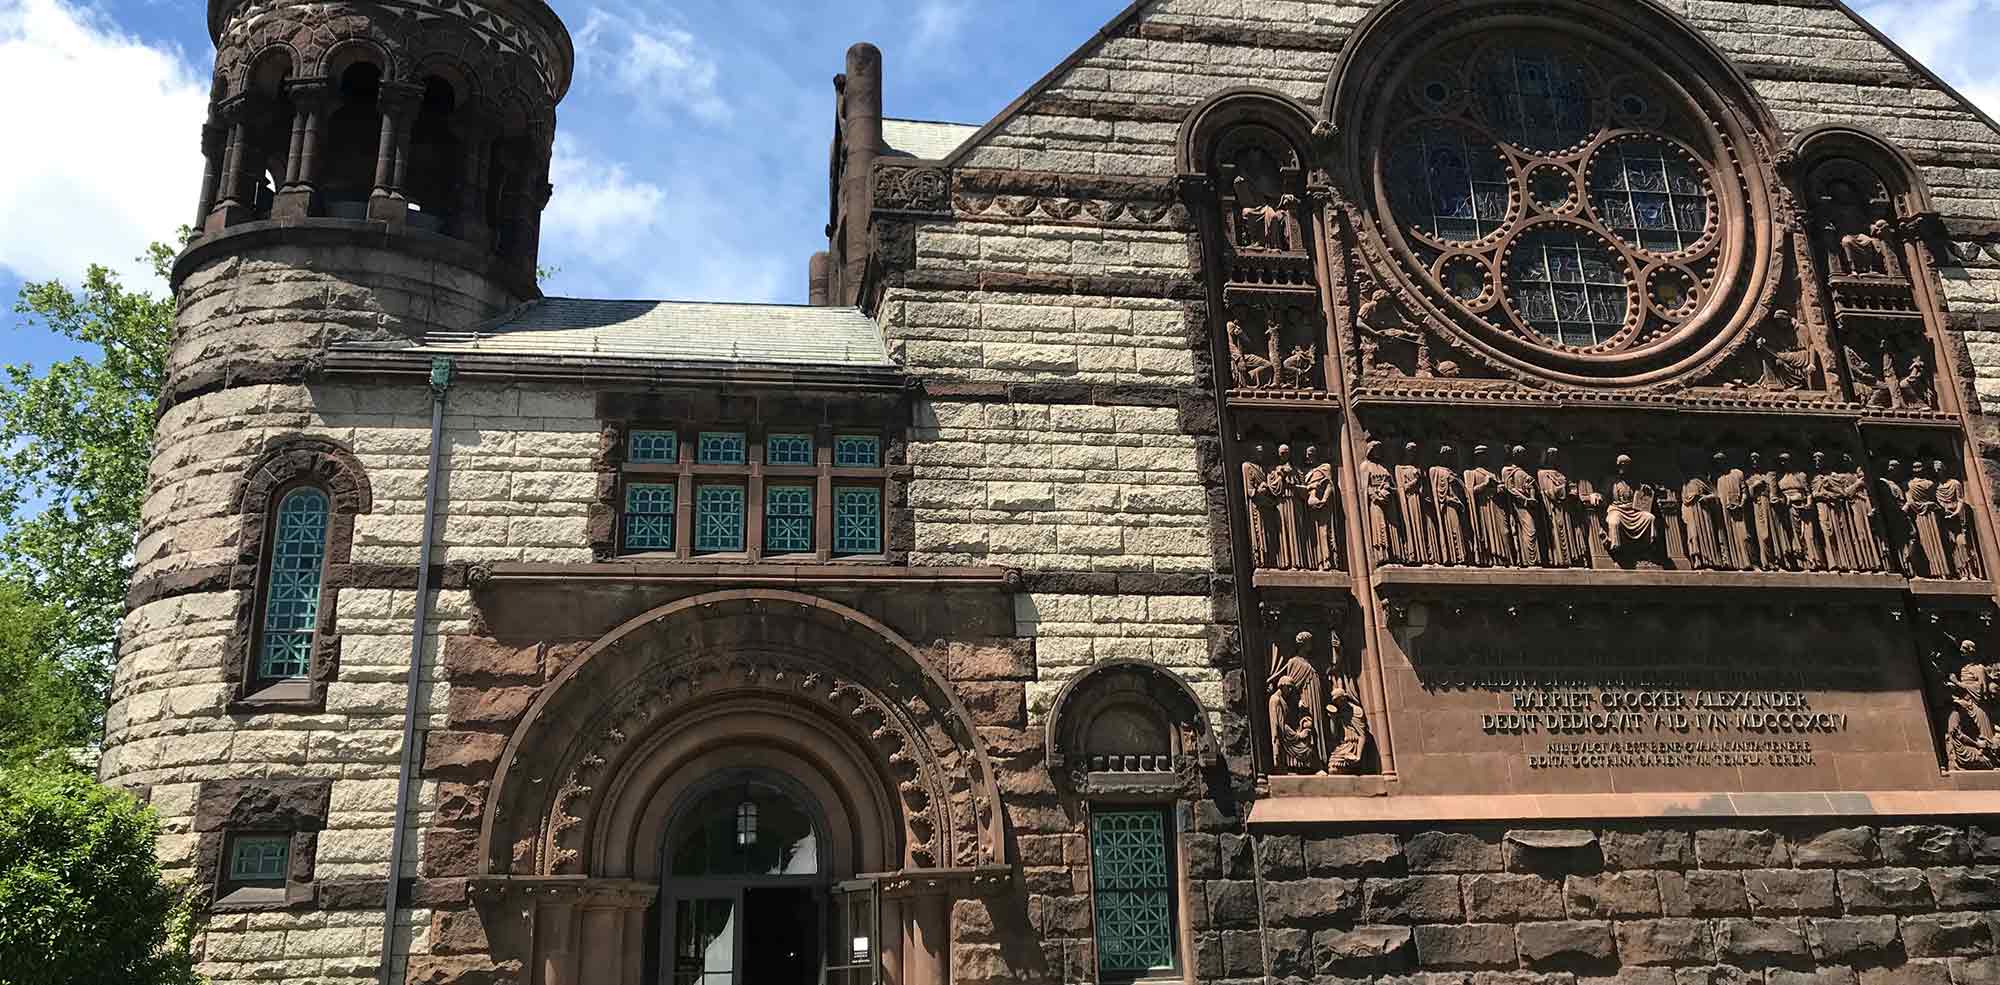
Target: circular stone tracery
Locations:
point(1578, 158)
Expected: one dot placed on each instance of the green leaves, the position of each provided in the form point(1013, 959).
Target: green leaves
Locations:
point(75, 437)
point(42, 707)
point(81, 898)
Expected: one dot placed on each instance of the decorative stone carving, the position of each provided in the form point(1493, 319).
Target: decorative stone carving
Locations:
point(1261, 513)
point(1385, 522)
point(1447, 503)
point(905, 189)
point(1293, 708)
point(1320, 489)
point(1418, 516)
point(1293, 512)
point(1347, 729)
point(1944, 540)
point(1490, 510)
point(1130, 727)
point(1631, 525)
point(1273, 347)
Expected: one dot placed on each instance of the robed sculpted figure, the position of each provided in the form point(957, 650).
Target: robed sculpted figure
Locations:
point(1447, 495)
point(1294, 705)
point(1808, 550)
point(1322, 513)
point(1565, 531)
point(1969, 738)
point(1378, 483)
point(1927, 523)
point(1630, 525)
point(1869, 533)
point(1836, 524)
point(1492, 519)
point(1897, 532)
point(1347, 730)
point(1261, 513)
point(1418, 516)
point(1524, 501)
point(1957, 518)
point(1284, 480)
point(1767, 515)
point(1701, 524)
point(1732, 492)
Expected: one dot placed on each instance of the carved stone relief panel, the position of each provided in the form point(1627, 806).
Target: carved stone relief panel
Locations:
point(1292, 510)
point(1275, 343)
point(1956, 643)
point(1313, 713)
point(1930, 528)
point(1858, 244)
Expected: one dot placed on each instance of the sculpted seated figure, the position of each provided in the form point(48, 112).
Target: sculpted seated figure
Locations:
point(1629, 520)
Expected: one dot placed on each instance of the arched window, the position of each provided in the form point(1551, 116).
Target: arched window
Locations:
point(348, 173)
point(293, 579)
point(747, 829)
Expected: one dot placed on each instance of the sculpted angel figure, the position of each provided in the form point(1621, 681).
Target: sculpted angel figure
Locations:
point(1629, 519)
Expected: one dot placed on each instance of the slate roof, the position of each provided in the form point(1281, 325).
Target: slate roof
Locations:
point(925, 140)
point(675, 332)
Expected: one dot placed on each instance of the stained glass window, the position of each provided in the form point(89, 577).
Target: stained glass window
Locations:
point(1536, 98)
point(1649, 196)
point(259, 858)
point(292, 586)
point(718, 520)
point(857, 520)
point(788, 449)
point(788, 519)
point(1448, 183)
point(1130, 867)
point(649, 516)
point(1569, 285)
point(861, 451)
point(721, 448)
point(655, 447)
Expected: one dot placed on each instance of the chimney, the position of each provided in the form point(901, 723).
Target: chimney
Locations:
point(861, 124)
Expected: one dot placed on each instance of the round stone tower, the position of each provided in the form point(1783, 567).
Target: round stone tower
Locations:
point(373, 170)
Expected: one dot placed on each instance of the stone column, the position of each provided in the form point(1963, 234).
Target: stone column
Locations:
point(392, 150)
point(214, 144)
point(232, 206)
point(861, 130)
point(313, 102)
point(555, 939)
point(927, 958)
point(472, 225)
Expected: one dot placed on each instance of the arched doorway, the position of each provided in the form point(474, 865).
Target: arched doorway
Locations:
point(747, 895)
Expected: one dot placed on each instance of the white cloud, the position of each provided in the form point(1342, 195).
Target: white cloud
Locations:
point(1954, 38)
point(938, 23)
point(106, 149)
point(610, 234)
point(661, 65)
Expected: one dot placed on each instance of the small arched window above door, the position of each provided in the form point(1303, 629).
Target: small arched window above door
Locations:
point(744, 830)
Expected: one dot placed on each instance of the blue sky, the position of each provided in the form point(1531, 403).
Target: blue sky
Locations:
point(692, 150)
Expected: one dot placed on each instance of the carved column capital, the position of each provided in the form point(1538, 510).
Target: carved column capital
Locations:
point(312, 95)
point(399, 100)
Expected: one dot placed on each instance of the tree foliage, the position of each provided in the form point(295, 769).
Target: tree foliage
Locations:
point(41, 707)
point(81, 900)
point(74, 444)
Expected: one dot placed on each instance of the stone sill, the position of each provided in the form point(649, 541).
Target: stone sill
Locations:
point(1638, 806)
point(747, 575)
point(1390, 579)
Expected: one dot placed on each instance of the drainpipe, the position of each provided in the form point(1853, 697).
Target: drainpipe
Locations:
point(440, 383)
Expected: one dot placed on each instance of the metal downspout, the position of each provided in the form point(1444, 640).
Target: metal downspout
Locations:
point(440, 383)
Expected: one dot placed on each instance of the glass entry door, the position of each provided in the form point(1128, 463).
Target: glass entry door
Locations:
point(707, 937)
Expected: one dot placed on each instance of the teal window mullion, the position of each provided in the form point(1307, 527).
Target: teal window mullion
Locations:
point(649, 516)
point(293, 585)
point(788, 519)
point(857, 520)
point(718, 523)
point(1131, 869)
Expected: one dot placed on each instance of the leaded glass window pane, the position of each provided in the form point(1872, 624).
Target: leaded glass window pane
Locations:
point(857, 520)
point(788, 519)
point(1536, 98)
point(722, 448)
point(655, 447)
point(649, 516)
point(1567, 284)
point(788, 449)
point(718, 521)
point(292, 586)
point(1130, 866)
point(1648, 195)
point(262, 858)
point(1448, 183)
point(859, 451)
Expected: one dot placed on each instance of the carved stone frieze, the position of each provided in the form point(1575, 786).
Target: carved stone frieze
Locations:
point(1274, 344)
point(912, 189)
point(1313, 715)
point(1292, 504)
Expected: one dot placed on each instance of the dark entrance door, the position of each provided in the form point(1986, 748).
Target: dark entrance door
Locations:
point(780, 934)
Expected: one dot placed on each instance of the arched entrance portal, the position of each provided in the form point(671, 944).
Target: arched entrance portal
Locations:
point(748, 894)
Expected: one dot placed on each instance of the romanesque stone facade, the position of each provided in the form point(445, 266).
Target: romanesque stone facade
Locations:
point(1464, 494)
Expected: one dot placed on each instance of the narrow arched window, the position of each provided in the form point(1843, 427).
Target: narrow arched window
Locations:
point(293, 579)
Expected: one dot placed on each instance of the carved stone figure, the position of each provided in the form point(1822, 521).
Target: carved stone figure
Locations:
point(1322, 513)
point(1835, 523)
point(1801, 518)
point(1261, 513)
point(1897, 532)
point(1955, 514)
point(1524, 502)
point(1732, 494)
point(1869, 536)
point(1378, 484)
point(1891, 381)
point(1969, 738)
point(1285, 482)
point(1630, 525)
point(1488, 508)
point(1262, 210)
point(1381, 318)
point(1701, 524)
point(1932, 552)
point(1447, 496)
point(1768, 517)
point(1868, 253)
point(1294, 706)
point(1347, 731)
point(1786, 366)
point(1566, 533)
point(1419, 516)
point(1240, 369)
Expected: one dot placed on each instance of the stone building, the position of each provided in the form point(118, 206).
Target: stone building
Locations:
point(1322, 490)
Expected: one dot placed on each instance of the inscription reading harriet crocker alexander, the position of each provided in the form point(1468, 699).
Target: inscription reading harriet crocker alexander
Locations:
point(1610, 718)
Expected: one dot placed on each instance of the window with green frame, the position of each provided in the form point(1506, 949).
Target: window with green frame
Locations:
point(292, 586)
point(258, 860)
point(788, 519)
point(1132, 878)
point(649, 516)
point(788, 449)
point(857, 520)
point(718, 518)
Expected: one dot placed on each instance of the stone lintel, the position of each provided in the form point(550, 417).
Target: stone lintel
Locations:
point(1609, 807)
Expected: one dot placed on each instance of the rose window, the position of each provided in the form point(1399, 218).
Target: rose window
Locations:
point(1574, 209)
